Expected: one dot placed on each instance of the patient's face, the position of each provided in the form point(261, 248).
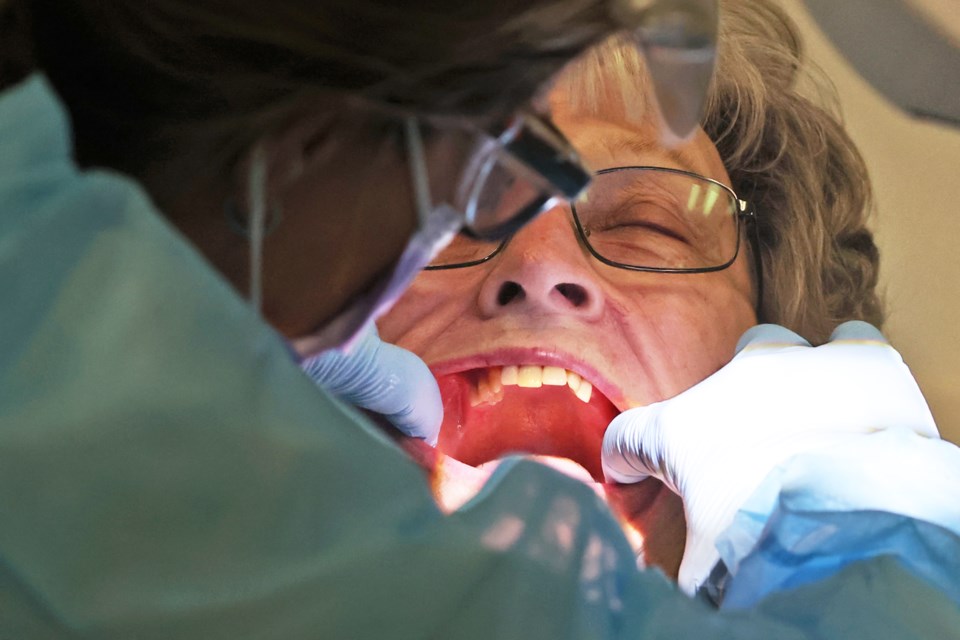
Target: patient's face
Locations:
point(544, 307)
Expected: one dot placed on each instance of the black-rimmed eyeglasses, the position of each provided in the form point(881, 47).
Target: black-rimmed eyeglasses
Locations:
point(641, 218)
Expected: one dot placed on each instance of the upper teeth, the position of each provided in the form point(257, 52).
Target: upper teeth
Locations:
point(489, 387)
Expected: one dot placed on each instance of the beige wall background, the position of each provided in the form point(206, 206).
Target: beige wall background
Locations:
point(915, 168)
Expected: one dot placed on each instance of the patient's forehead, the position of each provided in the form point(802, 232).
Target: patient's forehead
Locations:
point(609, 96)
point(610, 79)
point(615, 127)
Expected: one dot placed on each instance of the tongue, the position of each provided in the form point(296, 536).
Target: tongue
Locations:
point(544, 421)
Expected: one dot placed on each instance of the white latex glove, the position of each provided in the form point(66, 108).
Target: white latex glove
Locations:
point(385, 379)
point(715, 443)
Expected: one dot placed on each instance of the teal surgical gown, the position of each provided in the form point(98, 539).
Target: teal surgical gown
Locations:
point(166, 470)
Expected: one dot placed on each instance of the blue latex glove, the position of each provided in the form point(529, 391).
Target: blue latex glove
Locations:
point(385, 379)
point(892, 493)
point(779, 397)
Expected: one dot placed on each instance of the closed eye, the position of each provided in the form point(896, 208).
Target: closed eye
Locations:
point(640, 220)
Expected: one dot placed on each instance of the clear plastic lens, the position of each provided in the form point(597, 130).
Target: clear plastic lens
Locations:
point(465, 250)
point(659, 219)
point(501, 189)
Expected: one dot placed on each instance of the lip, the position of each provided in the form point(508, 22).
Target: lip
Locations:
point(505, 356)
point(642, 509)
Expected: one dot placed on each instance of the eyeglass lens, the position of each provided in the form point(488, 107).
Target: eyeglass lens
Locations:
point(641, 218)
point(515, 176)
point(503, 195)
point(659, 219)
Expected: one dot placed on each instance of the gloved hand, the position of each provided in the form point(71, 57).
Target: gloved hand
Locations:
point(715, 443)
point(385, 379)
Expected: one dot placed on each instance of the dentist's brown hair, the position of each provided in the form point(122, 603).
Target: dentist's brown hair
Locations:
point(164, 89)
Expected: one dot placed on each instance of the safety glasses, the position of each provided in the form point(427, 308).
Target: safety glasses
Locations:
point(509, 178)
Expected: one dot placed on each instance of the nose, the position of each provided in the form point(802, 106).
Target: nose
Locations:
point(543, 270)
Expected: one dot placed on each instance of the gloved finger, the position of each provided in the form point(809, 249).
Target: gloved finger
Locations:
point(700, 554)
point(764, 336)
point(628, 453)
point(385, 379)
point(410, 399)
point(859, 331)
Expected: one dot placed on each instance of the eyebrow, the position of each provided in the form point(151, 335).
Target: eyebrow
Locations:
point(643, 145)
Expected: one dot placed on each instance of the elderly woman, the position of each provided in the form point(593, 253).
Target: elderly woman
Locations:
point(166, 469)
point(641, 289)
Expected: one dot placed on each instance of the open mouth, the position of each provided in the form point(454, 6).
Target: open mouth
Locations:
point(490, 412)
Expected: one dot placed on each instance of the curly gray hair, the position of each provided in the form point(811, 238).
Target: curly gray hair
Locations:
point(776, 125)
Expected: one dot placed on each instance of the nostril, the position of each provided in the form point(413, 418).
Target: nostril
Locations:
point(509, 291)
point(575, 293)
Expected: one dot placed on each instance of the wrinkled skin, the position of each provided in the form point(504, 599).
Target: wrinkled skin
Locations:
point(637, 337)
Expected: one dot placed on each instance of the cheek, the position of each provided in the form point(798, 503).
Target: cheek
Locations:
point(682, 329)
point(434, 303)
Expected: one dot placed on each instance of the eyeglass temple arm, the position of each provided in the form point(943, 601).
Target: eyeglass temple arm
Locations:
point(749, 214)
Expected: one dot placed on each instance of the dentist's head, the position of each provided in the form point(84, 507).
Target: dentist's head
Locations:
point(286, 124)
